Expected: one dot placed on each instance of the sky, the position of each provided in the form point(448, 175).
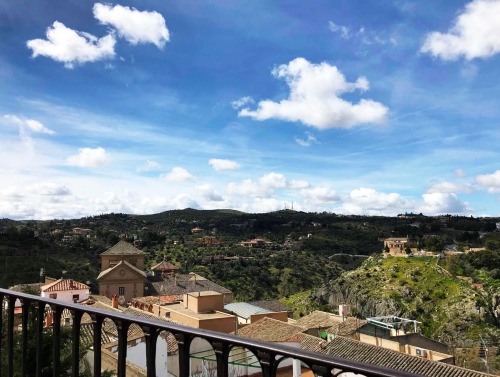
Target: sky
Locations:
point(347, 106)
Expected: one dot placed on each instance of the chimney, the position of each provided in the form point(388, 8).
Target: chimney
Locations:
point(114, 301)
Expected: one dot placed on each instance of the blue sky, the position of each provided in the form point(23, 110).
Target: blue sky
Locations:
point(355, 107)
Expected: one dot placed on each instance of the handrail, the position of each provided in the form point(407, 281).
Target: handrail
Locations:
point(267, 353)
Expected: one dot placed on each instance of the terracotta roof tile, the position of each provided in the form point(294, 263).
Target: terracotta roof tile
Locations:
point(319, 319)
point(123, 248)
point(121, 264)
point(164, 265)
point(348, 327)
point(180, 284)
point(64, 285)
point(272, 305)
point(270, 330)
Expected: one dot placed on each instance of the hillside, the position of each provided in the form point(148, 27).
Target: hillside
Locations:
point(449, 309)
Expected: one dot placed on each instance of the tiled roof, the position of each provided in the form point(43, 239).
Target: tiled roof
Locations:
point(32, 287)
point(87, 335)
point(367, 353)
point(121, 264)
point(244, 310)
point(168, 299)
point(348, 327)
point(272, 305)
point(179, 284)
point(309, 342)
point(270, 330)
point(319, 319)
point(164, 265)
point(123, 248)
point(64, 285)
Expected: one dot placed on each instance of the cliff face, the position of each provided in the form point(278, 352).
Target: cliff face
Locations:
point(415, 288)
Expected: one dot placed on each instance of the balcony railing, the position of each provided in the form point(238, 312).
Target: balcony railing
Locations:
point(268, 356)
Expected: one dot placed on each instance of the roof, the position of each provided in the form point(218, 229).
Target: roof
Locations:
point(308, 342)
point(164, 265)
point(64, 285)
point(367, 353)
point(272, 305)
point(180, 284)
point(157, 299)
point(319, 319)
point(123, 248)
point(23, 288)
point(270, 330)
point(244, 310)
point(87, 335)
point(180, 308)
point(121, 264)
point(348, 327)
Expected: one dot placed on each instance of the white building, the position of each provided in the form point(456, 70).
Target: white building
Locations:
point(67, 290)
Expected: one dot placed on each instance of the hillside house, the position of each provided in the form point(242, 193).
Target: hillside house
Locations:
point(68, 290)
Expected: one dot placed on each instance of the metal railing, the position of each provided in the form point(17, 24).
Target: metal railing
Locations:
point(269, 355)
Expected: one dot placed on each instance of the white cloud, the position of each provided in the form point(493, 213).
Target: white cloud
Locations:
point(342, 30)
point(49, 189)
point(177, 174)
point(314, 99)
point(490, 181)
point(89, 157)
point(30, 124)
point(475, 34)
point(367, 201)
point(72, 47)
point(442, 203)
point(273, 180)
point(133, 25)
point(220, 164)
point(242, 102)
point(317, 195)
point(307, 141)
point(298, 184)
point(459, 173)
point(449, 187)
point(150, 165)
point(209, 194)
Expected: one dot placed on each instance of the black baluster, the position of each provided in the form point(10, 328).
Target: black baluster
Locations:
point(222, 357)
point(75, 356)
point(97, 323)
point(56, 341)
point(10, 336)
point(122, 328)
point(151, 336)
point(267, 363)
point(183, 343)
point(1, 327)
point(39, 338)
point(321, 370)
point(24, 352)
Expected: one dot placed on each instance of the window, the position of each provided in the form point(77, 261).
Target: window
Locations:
point(167, 314)
point(121, 291)
point(76, 298)
point(53, 295)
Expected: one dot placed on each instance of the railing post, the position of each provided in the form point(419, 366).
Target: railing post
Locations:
point(97, 324)
point(267, 361)
point(183, 343)
point(75, 352)
point(122, 328)
point(151, 336)
point(39, 337)
point(321, 371)
point(25, 316)
point(56, 341)
point(222, 357)
point(2, 308)
point(10, 336)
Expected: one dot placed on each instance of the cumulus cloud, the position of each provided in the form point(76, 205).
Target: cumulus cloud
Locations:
point(28, 124)
point(459, 173)
point(89, 158)
point(307, 141)
point(265, 186)
point(220, 164)
point(367, 201)
point(442, 203)
point(273, 180)
point(133, 25)
point(150, 165)
point(298, 184)
point(474, 34)
point(49, 189)
point(342, 30)
point(178, 174)
point(489, 181)
point(239, 103)
point(320, 195)
point(449, 187)
point(209, 194)
point(72, 47)
point(314, 99)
